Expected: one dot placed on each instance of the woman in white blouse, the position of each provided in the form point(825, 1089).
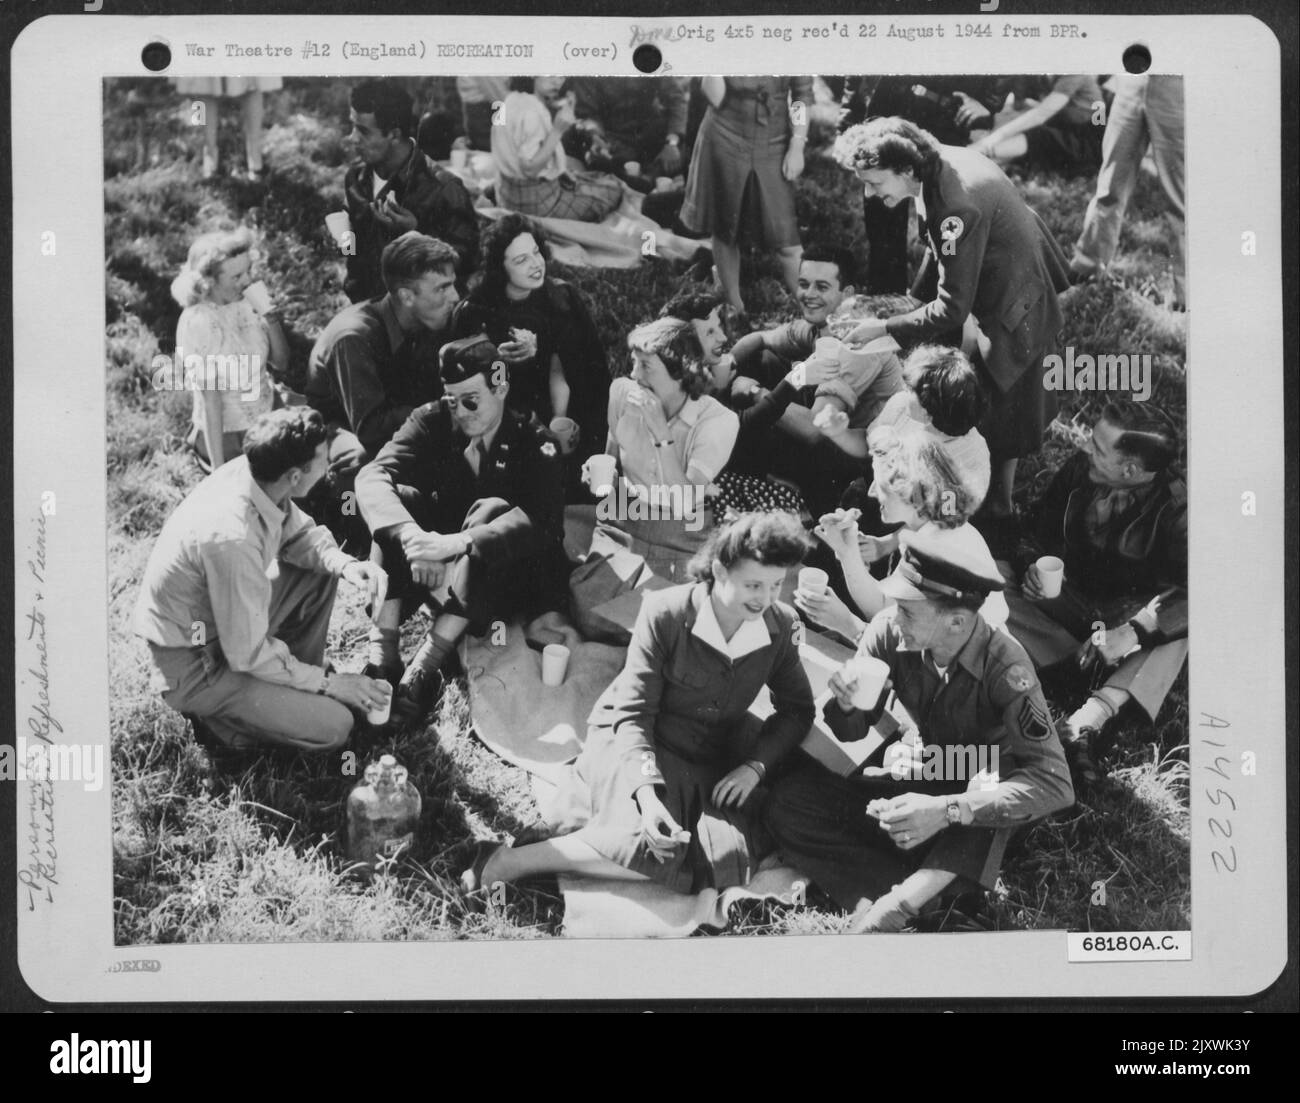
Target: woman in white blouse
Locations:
point(534, 177)
point(670, 440)
point(236, 345)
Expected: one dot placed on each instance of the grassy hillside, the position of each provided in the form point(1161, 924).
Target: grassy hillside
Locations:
point(204, 856)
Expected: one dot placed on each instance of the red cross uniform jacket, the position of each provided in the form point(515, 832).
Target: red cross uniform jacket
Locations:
point(995, 259)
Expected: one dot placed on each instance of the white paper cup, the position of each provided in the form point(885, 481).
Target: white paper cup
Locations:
point(600, 474)
point(632, 168)
point(459, 157)
point(259, 298)
point(566, 431)
point(338, 223)
point(1051, 572)
point(555, 661)
point(828, 348)
point(663, 183)
point(380, 715)
point(870, 675)
point(814, 580)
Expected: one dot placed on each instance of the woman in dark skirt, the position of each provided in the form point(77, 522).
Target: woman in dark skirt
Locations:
point(992, 260)
point(666, 782)
point(747, 156)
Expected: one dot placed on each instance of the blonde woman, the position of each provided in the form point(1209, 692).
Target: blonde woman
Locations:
point(235, 343)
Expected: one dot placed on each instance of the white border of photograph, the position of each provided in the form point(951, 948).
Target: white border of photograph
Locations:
point(1235, 427)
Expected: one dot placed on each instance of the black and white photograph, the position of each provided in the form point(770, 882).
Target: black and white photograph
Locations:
point(640, 506)
point(651, 508)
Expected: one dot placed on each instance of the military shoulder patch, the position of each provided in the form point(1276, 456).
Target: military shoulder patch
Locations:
point(951, 228)
point(1020, 678)
point(1035, 718)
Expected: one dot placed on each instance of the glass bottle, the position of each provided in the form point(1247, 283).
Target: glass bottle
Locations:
point(383, 813)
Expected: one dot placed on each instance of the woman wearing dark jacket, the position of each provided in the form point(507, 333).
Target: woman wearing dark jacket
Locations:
point(665, 785)
point(543, 329)
point(991, 259)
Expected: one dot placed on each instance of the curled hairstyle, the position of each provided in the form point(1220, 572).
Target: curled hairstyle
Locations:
point(823, 252)
point(1147, 435)
point(283, 439)
point(947, 386)
point(490, 284)
point(918, 470)
point(203, 263)
point(388, 102)
point(675, 342)
point(691, 305)
point(412, 255)
point(892, 144)
point(773, 538)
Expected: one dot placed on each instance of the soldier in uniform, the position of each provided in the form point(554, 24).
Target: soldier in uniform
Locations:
point(466, 505)
point(890, 838)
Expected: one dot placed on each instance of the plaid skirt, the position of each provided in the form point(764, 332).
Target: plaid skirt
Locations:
point(584, 196)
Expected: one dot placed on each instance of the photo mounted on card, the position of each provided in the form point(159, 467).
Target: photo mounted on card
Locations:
point(574, 486)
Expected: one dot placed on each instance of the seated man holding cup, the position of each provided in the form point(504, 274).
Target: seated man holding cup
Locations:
point(466, 504)
point(825, 281)
point(886, 841)
point(1111, 594)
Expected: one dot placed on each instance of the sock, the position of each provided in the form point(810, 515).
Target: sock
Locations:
point(1093, 713)
point(383, 647)
point(432, 654)
point(890, 913)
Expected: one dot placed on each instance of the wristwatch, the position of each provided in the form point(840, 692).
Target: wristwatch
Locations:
point(958, 811)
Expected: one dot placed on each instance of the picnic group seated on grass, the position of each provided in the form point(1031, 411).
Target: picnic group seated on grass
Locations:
point(847, 597)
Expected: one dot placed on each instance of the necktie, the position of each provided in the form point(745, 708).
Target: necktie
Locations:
point(476, 454)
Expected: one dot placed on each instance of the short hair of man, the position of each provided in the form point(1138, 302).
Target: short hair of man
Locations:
point(823, 252)
point(282, 440)
point(773, 538)
point(1146, 433)
point(948, 387)
point(690, 304)
point(519, 84)
point(407, 258)
point(675, 342)
point(892, 144)
point(388, 102)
